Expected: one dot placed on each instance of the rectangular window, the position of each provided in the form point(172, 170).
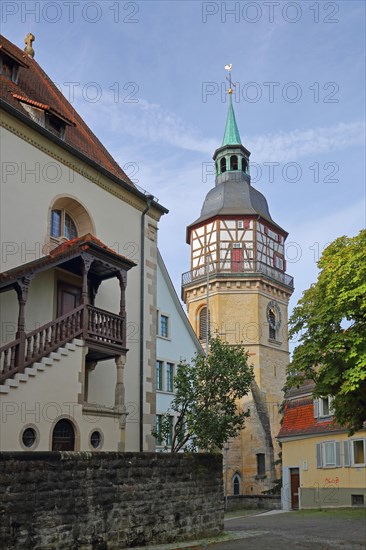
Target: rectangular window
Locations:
point(159, 425)
point(55, 223)
point(169, 377)
point(278, 262)
point(159, 375)
point(328, 454)
point(358, 452)
point(169, 440)
point(164, 329)
point(261, 464)
point(357, 500)
point(159, 422)
point(323, 407)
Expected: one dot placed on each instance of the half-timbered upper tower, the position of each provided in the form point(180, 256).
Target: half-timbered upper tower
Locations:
point(238, 276)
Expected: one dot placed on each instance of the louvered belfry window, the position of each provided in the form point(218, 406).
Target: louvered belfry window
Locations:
point(203, 323)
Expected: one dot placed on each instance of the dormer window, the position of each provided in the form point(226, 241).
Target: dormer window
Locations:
point(323, 407)
point(44, 115)
point(55, 125)
point(9, 68)
point(62, 225)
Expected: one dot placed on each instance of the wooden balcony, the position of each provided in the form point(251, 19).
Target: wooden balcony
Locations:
point(103, 333)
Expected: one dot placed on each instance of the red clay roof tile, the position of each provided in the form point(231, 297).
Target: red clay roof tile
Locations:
point(35, 85)
point(299, 419)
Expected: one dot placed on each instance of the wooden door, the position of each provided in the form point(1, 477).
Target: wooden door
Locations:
point(63, 437)
point(68, 298)
point(295, 484)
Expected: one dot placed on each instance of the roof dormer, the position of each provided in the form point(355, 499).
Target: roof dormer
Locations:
point(10, 64)
point(45, 115)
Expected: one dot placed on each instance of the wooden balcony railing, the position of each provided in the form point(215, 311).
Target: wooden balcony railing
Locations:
point(85, 321)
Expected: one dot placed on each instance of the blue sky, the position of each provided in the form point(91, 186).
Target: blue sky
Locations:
point(147, 78)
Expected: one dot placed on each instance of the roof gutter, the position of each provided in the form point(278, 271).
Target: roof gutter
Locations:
point(149, 203)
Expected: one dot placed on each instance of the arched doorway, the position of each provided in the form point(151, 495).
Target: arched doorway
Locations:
point(63, 436)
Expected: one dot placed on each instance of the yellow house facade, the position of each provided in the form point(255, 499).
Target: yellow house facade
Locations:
point(323, 467)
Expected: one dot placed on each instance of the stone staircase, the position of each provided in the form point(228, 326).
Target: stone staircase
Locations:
point(52, 360)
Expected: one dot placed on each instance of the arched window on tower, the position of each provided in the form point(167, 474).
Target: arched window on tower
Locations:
point(244, 165)
point(272, 324)
point(223, 165)
point(233, 162)
point(203, 324)
point(236, 484)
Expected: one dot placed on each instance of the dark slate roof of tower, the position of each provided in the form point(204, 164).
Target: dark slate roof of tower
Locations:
point(233, 195)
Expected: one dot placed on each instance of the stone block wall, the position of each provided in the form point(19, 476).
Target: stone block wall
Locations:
point(100, 501)
point(260, 502)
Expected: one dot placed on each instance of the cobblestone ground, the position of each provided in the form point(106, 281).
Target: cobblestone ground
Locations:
point(320, 530)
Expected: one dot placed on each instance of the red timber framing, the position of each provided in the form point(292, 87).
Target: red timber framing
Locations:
point(103, 332)
point(237, 245)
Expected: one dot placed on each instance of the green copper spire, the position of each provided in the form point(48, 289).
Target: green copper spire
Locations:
point(231, 136)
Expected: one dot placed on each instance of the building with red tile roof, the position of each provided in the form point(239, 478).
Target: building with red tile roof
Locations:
point(78, 283)
point(322, 466)
point(32, 86)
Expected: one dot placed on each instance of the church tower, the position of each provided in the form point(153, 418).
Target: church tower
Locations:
point(238, 283)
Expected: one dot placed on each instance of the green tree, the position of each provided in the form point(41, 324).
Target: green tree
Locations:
point(206, 399)
point(331, 320)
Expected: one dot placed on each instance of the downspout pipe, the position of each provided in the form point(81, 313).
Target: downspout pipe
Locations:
point(149, 200)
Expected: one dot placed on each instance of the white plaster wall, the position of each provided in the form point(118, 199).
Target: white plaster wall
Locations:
point(179, 346)
point(43, 399)
point(24, 215)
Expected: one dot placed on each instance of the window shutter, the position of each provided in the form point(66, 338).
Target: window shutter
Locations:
point(319, 457)
point(347, 457)
point(330, 401)
point(338, 454)
point(316, 408)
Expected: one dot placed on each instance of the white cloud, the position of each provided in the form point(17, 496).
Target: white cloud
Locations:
point(152, 123)
point(291, 146)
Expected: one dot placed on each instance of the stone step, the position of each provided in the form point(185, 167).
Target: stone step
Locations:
point(71, 346)
point(31, 371)
point(11, 383)
point(39, 366)
point(21, 377)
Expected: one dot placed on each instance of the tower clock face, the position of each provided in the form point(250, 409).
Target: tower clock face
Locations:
point(274, 315)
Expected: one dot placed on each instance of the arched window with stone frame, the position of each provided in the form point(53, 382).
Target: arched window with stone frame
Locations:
point(68, 219)
point(236, 483)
